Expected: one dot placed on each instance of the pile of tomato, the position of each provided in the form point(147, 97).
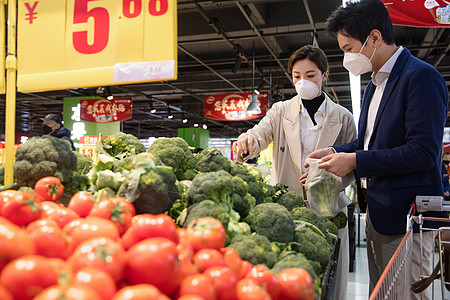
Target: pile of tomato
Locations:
point(103, 250)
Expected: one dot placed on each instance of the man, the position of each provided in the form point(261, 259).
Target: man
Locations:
point(397, 154)
point(52, 125)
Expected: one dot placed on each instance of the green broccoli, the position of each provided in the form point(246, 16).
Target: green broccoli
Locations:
point(331, 227)
point(340, 220)
point(122, 144)
point(314, 246)
point(272, 220)
point(216, 186)
point(175, 153)
point(212, 160)
point(151, 188)
point(207, 208)
point(254, 248)
point(126, 163)
point(108, 178)
point(291, 200)
point(309, 215)
point(44, 156)
point(252, 176)
point(241, 200)
point(84, 163)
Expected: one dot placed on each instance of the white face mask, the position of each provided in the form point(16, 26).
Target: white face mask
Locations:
point(357, 63)
point(306, 89)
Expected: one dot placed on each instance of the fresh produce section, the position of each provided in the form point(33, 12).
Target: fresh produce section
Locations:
point(158, 224)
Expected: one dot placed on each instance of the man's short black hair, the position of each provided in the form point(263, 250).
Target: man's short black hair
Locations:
point(358, 19)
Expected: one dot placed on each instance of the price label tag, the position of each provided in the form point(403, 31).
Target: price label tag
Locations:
point(84, 43)
point(89, 150)
point(2, 48)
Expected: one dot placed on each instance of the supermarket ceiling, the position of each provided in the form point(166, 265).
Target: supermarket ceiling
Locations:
point(212, 35)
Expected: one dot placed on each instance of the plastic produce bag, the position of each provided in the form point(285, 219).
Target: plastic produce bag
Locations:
point(322, 189)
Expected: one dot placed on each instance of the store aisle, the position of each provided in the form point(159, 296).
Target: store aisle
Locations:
point(358, 281)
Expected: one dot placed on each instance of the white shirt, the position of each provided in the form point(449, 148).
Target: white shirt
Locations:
point(379, 79)
point(309, 133)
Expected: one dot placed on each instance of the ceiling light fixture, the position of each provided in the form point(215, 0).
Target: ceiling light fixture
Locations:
point(108, 94)
point(205, 127)
point(169, 113)
point(152, 108)
point(195, 125)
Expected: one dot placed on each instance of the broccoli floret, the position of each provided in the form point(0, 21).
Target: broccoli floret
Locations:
point(254, 248)
point(151, 188)
point(309, 215)
point(175, 153)
point(108, 178)
point(241, 200)
point(331, 227)
point(125, 163)
point(340, 220)
point(207, 208)
point(290, 200)
point(212, 160)
point(272, 220)
point(252, 176)
point(216, 186)
point(44, 156)
point(84, 163)
point(314, 246)
point(122, 144)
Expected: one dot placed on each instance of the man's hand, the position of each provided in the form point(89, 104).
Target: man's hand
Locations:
point(244, 145)
point(339, 164)
point(318, 154)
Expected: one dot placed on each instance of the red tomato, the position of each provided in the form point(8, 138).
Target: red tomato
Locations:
point(81, 203)
point(61, 268)
point(245, 268)
point(207, 258)
point(191, 297)
point(83, 229)
point(114, 210)
point(184, 248)
point(296, 284)
point(225, 282)
point(146, 226)
point(22, 209)
point(248, 289)
point(96, 279)
point(262, 275)
point(27, 276)
point(6, 196)
point(51, 241)
point(198, 284)
point(49, 188)
point(100, 252)
point(206, 233)
point(187, 267)
point(71, 292)
point(4, 293)
point(232, 260)
point(58, 212)
point(128, 205)
point(154, 261)
point(140, 292)
point(14, 242)
point(41, 222)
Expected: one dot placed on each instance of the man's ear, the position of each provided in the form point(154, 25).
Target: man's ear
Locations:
point(376, 38)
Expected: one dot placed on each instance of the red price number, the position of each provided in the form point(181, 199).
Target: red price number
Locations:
point(81, 15)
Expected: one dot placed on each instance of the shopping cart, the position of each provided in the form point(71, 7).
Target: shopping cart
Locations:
point(395, 281)
point(435, 204)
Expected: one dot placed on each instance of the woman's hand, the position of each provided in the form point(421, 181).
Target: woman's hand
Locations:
point(244, 145)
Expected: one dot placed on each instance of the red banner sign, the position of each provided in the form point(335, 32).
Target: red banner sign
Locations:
point(419, 13)
point(232, 107)
point(105, 111)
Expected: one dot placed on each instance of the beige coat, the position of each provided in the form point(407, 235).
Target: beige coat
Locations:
point(282, 126)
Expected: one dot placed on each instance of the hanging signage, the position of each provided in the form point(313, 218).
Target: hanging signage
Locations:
point(232, 107)
point(419, 13)
point(86, 43)
point(2, 48)
point(105, 111)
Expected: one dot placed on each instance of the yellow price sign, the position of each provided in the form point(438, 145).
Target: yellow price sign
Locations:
point(85, 43)
point(89, 150)
point(2, 47)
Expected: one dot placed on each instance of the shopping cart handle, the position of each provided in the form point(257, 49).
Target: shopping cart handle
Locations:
point(431, 203)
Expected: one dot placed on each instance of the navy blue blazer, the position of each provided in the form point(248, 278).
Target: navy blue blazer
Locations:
point(404, 154)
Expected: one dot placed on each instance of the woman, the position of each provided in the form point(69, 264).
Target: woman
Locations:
point(297, 127)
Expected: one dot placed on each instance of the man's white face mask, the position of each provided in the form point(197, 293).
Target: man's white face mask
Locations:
point(358, 63)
